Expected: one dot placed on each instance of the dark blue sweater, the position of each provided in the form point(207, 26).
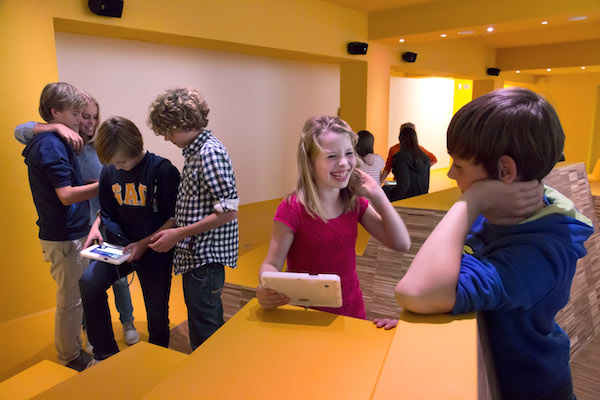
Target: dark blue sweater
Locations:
point(519, 277)
point(52, 165)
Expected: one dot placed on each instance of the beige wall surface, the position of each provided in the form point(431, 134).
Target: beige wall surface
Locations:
point(428, 103)
point(257, 104)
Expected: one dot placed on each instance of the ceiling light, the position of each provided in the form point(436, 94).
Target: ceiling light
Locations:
point(518, 72)
point(466, 32)
point(443, 35)
point(544, 22)
point(490, 29)
point(548, 69)
point(401, 40)
point(582, 67)
point(578, 18)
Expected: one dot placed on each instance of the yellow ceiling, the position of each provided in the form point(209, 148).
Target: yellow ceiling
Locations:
point(516, 23)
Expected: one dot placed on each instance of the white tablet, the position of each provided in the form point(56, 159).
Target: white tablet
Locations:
point(106, 252)
point(323, 290)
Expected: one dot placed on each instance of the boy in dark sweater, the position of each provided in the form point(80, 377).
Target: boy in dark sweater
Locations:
point(137, 197)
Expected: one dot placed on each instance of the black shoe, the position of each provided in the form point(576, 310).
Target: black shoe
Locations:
point(82, 360)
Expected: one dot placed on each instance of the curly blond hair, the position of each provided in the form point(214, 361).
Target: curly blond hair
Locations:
point(180, 109)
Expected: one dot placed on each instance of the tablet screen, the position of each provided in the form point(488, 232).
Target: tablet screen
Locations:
point(108, 251)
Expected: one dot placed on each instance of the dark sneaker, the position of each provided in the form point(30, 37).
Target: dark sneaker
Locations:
point(81, 362)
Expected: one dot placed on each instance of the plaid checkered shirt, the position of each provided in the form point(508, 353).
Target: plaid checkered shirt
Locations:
point(207, 180)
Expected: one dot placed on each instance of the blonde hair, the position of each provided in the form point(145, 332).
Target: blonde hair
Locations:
point(59, 96)
point(180, 109)
point(308, 149)
point(118, 135)
point(91, 100)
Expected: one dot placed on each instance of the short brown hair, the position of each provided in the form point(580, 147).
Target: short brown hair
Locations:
point(60, 96)
point(118, 135)
point(180, 109)
point(515, 122)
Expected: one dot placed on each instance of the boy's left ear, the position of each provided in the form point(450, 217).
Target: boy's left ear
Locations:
point(507, 169)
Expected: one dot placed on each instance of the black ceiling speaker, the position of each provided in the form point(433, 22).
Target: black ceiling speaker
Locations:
point(357, 48)
point(409, 57)
point(493, 71)
point(107, 8)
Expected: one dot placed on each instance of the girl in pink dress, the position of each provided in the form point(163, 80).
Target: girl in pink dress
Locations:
point(315, 226)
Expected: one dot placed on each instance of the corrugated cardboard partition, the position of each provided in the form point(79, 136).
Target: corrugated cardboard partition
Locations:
point(581, 317)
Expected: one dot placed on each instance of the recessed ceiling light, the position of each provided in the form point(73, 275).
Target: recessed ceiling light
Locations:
point(518, 72)
point(582, 67)
point(548, 69)
point(443, 35)
point(490, 29)
point(578, 18)
point(544, 22)
point(466, 32)
point(401, 40)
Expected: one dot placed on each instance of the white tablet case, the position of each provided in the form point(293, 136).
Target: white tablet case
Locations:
point(106, 252)
point(323, 290)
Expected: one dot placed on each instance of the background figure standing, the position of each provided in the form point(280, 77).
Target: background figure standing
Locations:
point(368, 161)
point(396, 148)
point(410, 167)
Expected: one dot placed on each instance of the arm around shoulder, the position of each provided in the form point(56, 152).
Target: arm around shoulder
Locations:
point(74, 194)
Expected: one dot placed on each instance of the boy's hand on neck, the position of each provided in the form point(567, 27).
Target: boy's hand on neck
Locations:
point(504, 203)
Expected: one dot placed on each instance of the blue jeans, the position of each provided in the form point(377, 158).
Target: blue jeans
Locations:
point(202, 289)
point(122, 302)
point(154, 273)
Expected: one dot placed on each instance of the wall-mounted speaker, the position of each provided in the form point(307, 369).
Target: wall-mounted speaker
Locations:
point(493, 71)
point(357, 48)
point(106, 8)
point(409, 57)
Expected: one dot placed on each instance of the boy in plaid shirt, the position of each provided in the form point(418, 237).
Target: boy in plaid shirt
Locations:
point(205, 235)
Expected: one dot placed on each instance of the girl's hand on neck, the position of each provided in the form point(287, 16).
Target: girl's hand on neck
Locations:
point(362, 184)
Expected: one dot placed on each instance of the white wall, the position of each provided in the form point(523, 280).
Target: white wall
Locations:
point(428, 103)
point(257, 104)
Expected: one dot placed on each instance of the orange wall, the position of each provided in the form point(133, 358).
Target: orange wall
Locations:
point(295, 28)
point(575, 100)
point(304, 29)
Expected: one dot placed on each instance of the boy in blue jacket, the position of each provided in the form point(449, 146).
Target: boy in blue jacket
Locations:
point(505, 249)
point(60, 198)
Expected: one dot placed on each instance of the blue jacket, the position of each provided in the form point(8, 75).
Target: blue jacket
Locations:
point(520, 276)
point(52, 164)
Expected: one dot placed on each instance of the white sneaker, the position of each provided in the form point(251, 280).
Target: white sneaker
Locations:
point(131, 335)
point(92, 362)
point(86, 342)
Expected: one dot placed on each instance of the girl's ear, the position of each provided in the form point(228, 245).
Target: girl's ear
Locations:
point(507, 169)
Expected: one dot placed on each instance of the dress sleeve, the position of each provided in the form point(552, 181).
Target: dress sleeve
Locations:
point(24, 132)
point(363, 203)
point(219, 178)
point(288, 213)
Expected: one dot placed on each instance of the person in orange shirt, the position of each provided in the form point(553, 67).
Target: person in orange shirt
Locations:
point(396, 148)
